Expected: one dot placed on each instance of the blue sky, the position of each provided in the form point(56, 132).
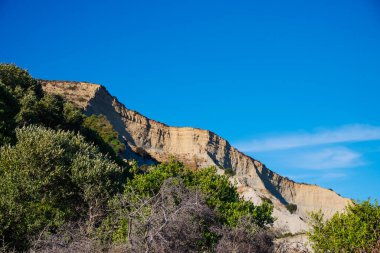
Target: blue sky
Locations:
point(292, 83)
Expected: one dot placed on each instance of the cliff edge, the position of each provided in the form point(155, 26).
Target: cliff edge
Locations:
point(151, 141)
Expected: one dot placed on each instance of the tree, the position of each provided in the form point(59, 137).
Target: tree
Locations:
point(23, 103)
point(101, 125)
point(8, 110)
point(50, 177)
point(356, 230)
point(19, 80)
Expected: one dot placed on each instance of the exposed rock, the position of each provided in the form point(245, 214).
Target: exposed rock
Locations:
point(154, 141)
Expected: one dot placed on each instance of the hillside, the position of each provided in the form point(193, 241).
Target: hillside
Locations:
point(149, 141)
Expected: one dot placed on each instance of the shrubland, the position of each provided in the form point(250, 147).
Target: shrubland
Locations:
point(171, 203)
point(63, 187)
point(50, 177)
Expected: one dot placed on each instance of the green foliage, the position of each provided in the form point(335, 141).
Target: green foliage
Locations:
point(23, 103)
point(48, 111)
point(291, 207)
point(268, 200)
point(8, 110)
point(229, 172)
point(72, 116)
point(50, 177)
point(28, 113)
point(219, 194)
point(103, 127)
point(222, 196)
point(19, 81)
point(356, 230)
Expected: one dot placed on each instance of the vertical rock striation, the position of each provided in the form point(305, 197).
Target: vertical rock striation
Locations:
point(151, 140)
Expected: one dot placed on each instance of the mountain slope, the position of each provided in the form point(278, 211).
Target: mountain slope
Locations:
point(150, 141)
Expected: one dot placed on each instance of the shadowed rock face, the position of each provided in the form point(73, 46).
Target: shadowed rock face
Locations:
point(150, 141)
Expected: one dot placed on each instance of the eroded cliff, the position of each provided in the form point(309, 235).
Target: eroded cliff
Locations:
point(150, 140)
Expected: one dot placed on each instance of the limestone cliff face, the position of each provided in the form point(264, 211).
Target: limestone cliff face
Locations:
point(201, 148)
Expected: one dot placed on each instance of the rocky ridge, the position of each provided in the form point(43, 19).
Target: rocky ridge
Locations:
point(149, 141)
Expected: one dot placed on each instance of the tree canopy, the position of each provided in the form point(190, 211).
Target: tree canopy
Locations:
point(356, 230)
point(50, 177)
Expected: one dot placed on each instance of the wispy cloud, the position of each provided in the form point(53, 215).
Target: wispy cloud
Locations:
point(322, 154)
point(324, 176)
point(348, 133)
point(324, 159)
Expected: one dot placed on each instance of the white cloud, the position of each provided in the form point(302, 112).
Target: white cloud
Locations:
point(324, 159)
point(333, 175)
point(348, 133)
point(324, 176)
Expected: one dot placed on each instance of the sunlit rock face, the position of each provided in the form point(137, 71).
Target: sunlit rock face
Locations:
point(149, 141)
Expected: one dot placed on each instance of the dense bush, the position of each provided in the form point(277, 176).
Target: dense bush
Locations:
point(8, 111)
point(72, 237)
point(19, 81)
point(291, 207)
point(220, 193)
point(103, 127)
point(245, 237)
point(356, 230)
point(216, 190)
point(50, 177)
point(23, 103)
point(175, 219)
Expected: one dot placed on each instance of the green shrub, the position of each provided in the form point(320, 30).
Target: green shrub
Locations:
point(50, 177)
point(101, 125)
point(218, 192)
point(291, 207)
point(268, 200)
point(8, 110)
point(23, 103)
point(229, 172)
point(356, 230)
point(19, 81)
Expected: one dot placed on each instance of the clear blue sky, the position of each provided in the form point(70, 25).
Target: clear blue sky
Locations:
point(293, 83)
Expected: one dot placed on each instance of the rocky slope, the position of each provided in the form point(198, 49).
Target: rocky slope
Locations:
point(149, 141)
